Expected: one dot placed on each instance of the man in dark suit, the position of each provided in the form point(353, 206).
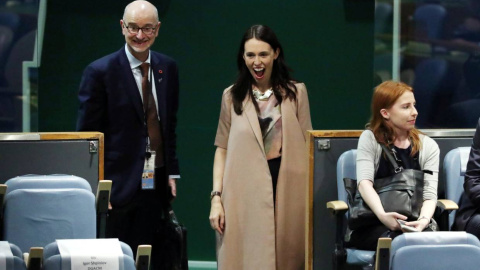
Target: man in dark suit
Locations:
point(467, 217)
point(113, 101)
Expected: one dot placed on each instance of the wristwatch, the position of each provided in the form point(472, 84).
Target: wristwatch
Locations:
point(215, 193)
point(424, 217)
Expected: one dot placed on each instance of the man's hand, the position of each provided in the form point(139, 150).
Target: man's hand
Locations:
point(173, 186)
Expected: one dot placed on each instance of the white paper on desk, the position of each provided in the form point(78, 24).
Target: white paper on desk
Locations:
point(91, 254)
point(6, 256)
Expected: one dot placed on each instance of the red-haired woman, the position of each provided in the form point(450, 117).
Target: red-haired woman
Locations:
point(393, 124)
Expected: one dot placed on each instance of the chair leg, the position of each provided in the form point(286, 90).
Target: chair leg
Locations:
point(339, 256)
point(443, 222)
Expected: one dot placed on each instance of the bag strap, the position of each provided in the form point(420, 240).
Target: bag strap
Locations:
point(169, 213)
point(391, 158)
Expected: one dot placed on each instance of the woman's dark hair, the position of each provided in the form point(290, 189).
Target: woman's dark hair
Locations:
point(282, 84)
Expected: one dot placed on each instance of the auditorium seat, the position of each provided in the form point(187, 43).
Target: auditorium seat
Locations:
point(454, 167)
point(52, 249)
point(383, 18)
point(10, 19)
point(429, 19)
point(53, 259)
point(346, 168)
point(11, 94)
point(435, 250)
point(40, 209)
point(12, 255)
point(55, 263)
point(430, 90)
point(463, 114)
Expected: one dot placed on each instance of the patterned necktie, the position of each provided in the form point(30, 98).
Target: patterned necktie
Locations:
point(151, 116)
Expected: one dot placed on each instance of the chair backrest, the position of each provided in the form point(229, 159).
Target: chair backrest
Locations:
point(52, 250)
point(346, 168)
point(16, 250)
point(18, 264)
point(12, 257)
point(454, 167)
point(464, 114)
point(22, 50)
point(10, 19)
point(6, 38)
point(55, 263)
point(383, 17)
point(35, 216)
point(430, 17)
point(435, 250)
point(34, 181)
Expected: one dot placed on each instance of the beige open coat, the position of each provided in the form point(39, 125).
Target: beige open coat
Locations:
point(257, 235)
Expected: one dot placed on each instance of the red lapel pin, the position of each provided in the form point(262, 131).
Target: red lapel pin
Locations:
point(160, 71)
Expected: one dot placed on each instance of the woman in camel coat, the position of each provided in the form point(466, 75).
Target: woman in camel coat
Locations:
point(260, 166)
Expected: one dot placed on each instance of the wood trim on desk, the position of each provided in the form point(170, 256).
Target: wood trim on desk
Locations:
point(335, 134)
point(52, 136)
point(311, 135)
point(309, 199)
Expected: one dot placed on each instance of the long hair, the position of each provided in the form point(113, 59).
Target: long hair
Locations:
point(384, 97)
point(282, 84)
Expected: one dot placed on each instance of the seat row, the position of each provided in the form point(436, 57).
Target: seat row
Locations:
point(428, 250)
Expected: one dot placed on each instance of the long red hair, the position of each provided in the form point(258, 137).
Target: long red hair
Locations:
point(384, 97)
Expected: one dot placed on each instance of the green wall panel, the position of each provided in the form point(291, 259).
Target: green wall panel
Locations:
point(328, 51)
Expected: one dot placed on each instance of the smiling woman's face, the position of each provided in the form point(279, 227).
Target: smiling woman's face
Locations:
point(259, 57)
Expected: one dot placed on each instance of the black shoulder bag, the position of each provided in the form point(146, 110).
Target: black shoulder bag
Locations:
point(402, 193)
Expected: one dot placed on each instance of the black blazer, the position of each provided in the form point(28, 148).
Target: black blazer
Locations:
point(110, 102)
point(470, 200)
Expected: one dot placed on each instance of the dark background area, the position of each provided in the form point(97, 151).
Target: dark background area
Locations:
point(326, 43)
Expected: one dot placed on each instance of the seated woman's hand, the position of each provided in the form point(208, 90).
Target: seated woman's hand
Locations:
point(420, 224)
point(217, 215)
point(390, 220)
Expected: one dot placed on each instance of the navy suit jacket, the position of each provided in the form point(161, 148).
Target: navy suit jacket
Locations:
point(110, 102)
point(470, 200)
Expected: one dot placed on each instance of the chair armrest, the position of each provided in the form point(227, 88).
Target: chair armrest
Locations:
point(382, 260)
point(103, 195)
point(447, 204)
point(103, 200)
point(33, 260)
point(337, 207)
point(143, 257)
point(3, 191)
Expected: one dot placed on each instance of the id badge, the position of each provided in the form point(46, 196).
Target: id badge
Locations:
point(148, 175)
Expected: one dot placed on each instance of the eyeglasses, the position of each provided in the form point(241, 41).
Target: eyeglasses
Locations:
point(133, 29)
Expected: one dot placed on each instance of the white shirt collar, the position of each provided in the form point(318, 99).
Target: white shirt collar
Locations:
point(134, 62)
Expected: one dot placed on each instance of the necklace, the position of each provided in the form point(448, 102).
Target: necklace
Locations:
point(262, 96)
